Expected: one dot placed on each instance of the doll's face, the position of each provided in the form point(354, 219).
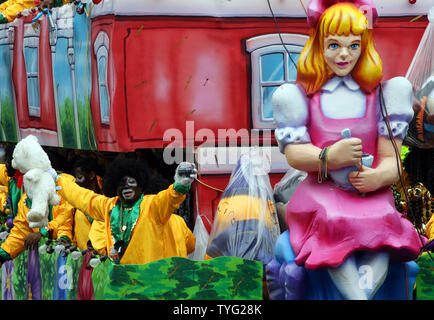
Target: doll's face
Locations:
point(341, 53)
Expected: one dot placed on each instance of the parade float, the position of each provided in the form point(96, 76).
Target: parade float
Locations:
point(123, 75)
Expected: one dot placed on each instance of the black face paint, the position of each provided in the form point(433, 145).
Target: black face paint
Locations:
point(128, 190)
point(81, 178)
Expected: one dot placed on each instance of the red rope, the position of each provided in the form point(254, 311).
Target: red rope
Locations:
point(303, 7)
point(400, 164)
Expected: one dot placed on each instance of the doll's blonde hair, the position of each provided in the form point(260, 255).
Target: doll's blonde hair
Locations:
point(341, 19)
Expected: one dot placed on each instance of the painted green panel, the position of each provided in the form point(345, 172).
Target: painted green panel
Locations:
point(223, 278)
point(20, 276)
point(425, 278)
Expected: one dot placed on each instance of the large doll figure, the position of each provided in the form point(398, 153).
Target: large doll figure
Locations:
point(339, 74)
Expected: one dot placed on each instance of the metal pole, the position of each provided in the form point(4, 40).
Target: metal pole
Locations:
point(53, 42)
point(71, 60)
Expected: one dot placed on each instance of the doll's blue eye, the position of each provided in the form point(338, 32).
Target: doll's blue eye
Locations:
point(333, 46)
point(354, 46)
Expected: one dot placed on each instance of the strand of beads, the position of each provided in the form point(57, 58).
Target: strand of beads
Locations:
point(51, 246)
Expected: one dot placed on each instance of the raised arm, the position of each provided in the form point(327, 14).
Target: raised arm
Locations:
point(89, 202)
point(167, 201)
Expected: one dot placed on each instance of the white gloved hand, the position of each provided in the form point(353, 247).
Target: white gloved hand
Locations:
point(185, 173)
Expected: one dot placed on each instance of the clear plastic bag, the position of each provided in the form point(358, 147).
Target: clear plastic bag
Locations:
point(284, 189)
point(246, 223)
point(421, 75)
point(202, 237)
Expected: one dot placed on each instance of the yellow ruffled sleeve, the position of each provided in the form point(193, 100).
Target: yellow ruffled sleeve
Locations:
point(10, 8)
point(98, 236)
point(81, 230)
point(63, 219)
point(4, 183)
point(4, 178)
point(90, 203)
point(430, 228)
point(164, 204)
point(3, 197)
point(14, 243)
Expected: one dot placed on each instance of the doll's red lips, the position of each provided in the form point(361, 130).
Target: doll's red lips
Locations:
point(342, 64)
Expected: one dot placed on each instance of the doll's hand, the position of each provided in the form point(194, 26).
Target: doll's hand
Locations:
point(366, 180)
point(344, 153)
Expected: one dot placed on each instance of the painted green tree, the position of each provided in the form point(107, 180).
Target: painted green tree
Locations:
point(67, 124)
point(8, 121)
point(207, 277)
point(120, 275)
point(86, 127)
point(245, 282)
point(183, 271)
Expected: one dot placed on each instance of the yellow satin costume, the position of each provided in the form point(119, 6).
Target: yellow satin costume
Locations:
point(61, 222)
point(157, 234)
point(11, 8)
point(430, 228)
point(84, 230)
point(4, 178)
point(3, 197)
point(61, 225)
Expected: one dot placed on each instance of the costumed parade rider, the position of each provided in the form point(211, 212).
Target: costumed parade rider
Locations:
point(158, 183)
point(139, 228)
point(343, 216)
point(9, 184)
point(88, 233)
point(21, 236)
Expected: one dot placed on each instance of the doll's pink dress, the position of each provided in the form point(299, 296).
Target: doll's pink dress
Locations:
point(326, 223)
